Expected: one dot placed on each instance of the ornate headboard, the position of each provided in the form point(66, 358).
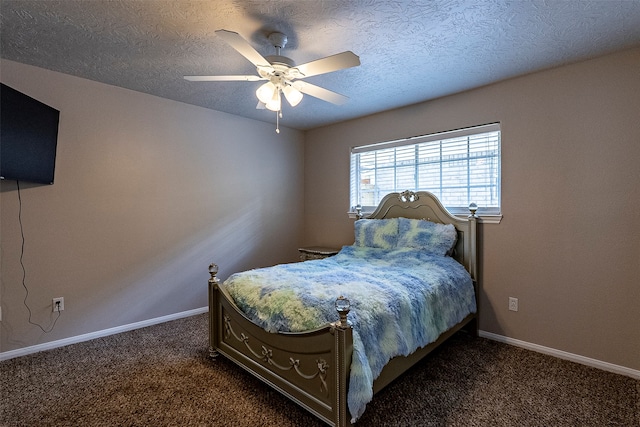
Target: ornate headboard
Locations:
point(425, 205)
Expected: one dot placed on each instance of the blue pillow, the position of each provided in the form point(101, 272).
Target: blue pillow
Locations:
point(431, 237)
point(376, 233)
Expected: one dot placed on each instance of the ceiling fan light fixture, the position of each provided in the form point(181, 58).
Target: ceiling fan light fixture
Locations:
point(293, 95)
point(275, 103)
point(266, 92)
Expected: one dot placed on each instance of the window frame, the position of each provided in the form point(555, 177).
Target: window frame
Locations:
point(492, 214)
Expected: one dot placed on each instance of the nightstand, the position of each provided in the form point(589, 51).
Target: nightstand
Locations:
point(316, 252)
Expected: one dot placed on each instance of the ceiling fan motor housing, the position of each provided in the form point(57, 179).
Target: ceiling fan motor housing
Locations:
point(280, 60)
point(282, 68)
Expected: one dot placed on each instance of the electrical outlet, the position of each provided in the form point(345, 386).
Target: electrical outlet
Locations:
point(513, 304)
point(58, 304)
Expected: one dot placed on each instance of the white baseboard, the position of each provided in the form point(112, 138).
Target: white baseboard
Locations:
point(98, 334)
point(594, 363)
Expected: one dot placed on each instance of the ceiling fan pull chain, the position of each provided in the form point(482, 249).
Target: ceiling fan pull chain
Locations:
point(278, 113)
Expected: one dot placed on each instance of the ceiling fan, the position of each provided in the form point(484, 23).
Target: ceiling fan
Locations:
point(282, 74)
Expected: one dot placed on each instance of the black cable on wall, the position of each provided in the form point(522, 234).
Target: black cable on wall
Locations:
point(24, 270)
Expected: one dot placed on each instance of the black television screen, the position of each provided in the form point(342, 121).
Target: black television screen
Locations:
point(28, 137)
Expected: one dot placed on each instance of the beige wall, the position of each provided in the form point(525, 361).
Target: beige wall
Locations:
point(569, 243)
point(147, 193)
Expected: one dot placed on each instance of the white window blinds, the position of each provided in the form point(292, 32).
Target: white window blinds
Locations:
point(459, 167)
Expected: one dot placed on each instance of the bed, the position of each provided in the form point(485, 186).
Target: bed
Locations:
point(323, 366)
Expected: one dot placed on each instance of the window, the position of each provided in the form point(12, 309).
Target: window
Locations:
point(459, 167)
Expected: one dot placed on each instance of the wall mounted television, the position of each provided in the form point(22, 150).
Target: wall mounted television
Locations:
point(28, 137)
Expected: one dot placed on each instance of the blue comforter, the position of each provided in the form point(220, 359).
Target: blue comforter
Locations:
point(401, 300)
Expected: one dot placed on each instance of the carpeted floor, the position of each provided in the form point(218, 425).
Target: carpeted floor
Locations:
point(162, 376)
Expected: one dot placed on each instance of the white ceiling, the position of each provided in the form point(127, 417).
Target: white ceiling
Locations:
point(410, 51)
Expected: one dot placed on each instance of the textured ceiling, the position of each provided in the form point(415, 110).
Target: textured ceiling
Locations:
point(410, 51)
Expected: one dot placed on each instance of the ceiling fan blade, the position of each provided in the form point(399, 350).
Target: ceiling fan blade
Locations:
point(243, 47)
point(329, 64)
point(320, 93)
point(247, 78)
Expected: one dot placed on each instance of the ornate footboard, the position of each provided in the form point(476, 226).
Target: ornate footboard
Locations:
point(310, 368)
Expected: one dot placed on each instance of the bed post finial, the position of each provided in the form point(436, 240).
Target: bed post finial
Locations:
point(213, 270)
point(343, 305)
point(473, 208)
